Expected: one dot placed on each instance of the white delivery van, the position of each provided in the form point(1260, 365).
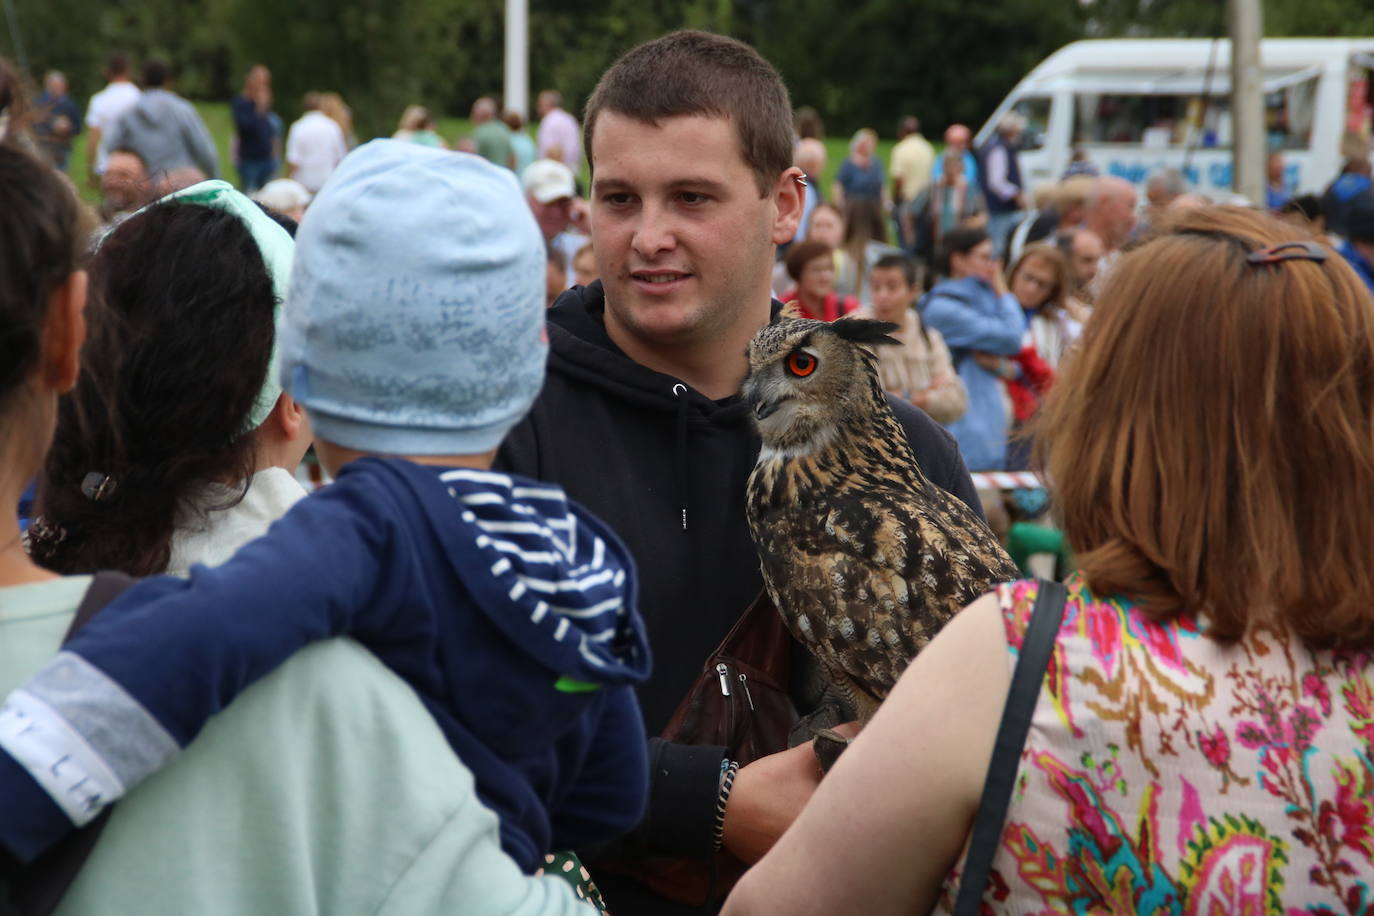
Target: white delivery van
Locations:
point(1134, 107)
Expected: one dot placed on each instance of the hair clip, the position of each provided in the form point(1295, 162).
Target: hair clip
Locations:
point(41, 531)
point(97, 485)
point(1289, 251)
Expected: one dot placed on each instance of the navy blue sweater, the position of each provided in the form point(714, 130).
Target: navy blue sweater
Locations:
point(510, 610)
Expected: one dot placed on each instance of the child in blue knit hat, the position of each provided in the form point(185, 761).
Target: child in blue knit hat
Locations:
point(414, 336)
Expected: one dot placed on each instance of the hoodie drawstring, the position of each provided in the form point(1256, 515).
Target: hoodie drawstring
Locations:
point(680, 453)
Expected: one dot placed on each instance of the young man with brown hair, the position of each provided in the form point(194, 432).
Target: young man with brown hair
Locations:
point(690, 142)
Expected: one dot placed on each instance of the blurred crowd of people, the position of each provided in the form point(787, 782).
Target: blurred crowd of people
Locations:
point(143, 141)
point(527, 395)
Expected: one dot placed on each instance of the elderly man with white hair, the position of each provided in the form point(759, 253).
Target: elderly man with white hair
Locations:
point(1112, 215)
point(1000, 177)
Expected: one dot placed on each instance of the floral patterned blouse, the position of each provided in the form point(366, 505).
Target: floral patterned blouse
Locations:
point(1166, 773)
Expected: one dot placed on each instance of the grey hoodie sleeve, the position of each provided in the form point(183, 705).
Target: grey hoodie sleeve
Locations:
point(199, 142)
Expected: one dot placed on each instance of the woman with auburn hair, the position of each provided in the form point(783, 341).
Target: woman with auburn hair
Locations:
point(1203, 739)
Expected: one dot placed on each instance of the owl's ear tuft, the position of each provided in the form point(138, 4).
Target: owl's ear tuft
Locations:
point(864, 330)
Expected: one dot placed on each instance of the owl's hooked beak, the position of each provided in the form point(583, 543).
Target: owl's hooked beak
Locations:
point(765, 409)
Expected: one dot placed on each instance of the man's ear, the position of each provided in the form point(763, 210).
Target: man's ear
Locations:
point(789, 197)
point(64, 331)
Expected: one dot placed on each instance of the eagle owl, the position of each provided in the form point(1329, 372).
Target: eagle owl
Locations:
point(863, 556)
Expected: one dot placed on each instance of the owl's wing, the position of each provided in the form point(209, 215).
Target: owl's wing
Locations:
point(868, 578)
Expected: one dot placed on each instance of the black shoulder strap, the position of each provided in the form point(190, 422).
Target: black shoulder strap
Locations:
point(1011, 740)
point(37, 888)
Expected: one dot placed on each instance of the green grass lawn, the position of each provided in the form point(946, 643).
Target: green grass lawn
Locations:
point(218, 119)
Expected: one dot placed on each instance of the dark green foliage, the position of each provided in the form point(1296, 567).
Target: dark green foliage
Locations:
point(860, 64)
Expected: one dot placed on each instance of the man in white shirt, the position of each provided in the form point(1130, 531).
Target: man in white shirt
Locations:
point(559, 136)
point(106, 107)
point(314, 145)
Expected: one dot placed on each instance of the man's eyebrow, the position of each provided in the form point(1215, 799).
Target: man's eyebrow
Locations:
point(609, 184)
point(603, 185)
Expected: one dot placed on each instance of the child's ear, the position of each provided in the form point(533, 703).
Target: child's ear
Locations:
point(289, 416)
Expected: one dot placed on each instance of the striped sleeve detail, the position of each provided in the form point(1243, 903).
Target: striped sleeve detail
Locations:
point(81, 736)
point(558, 569)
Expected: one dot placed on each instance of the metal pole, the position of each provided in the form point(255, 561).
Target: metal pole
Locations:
point(1247, 100)
point(517, 57)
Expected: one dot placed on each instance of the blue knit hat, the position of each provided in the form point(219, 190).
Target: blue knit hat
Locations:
point(414, 324)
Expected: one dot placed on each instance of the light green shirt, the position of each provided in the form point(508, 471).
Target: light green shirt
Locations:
point(325, 788)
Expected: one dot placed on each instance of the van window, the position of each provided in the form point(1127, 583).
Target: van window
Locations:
point(1180, 121)
point(1036, 110)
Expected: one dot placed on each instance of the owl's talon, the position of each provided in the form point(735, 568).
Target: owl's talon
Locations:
point(828, 744)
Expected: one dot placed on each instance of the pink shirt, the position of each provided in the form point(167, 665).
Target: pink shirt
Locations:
point(558, 128)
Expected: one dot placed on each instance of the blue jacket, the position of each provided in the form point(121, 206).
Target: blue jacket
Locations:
point(1360, 263)
point(254, 130)
point(970, 316)
point(1340, 198)
point(508, 609)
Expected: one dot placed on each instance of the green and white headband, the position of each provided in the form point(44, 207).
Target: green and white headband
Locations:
point(277, 248)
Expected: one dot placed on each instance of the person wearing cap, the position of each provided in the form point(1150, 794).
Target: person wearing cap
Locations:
point(1358, 247)
point(413, 330)
point(551, 192)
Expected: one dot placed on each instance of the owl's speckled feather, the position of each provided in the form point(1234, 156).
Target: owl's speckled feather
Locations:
point(864, 557)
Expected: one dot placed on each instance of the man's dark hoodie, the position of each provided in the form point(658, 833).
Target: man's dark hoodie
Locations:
point(666, 467)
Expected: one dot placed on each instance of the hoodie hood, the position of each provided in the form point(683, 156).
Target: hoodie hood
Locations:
point(551, 577)
point(556, 580)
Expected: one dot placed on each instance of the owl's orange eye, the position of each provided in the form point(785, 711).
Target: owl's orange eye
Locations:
point(800, 363)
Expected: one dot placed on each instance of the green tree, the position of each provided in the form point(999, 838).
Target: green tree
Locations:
point(945, 61)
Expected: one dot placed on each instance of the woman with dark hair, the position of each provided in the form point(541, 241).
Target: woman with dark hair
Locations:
point(865, 241)
point(178, 445)
point(328, 787)
point(1201, 740)
point(976, 313)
